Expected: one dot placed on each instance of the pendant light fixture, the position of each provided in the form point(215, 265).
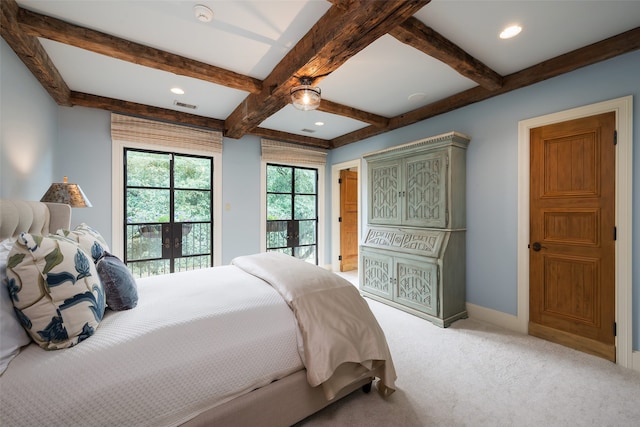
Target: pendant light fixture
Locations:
point(305, 97)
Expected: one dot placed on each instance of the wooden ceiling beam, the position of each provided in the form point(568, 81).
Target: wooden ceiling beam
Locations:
point(35, 24)
point(132, 108)
point(339, 34)
point(353, 113)
point(290, 137)
point(32, 54)
point(626, 42)
point(419, 36)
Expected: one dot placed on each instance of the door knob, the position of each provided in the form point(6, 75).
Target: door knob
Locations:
point(537, 246)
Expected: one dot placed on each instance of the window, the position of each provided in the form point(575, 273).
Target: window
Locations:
point(191, 161)
point(292, 211)
point(167, 207)
point(293, 200)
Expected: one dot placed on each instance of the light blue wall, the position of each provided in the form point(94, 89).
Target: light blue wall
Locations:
point(28, 130)
point(32, 124)
point(240, 197)
point(492, 172)
point(84, 155)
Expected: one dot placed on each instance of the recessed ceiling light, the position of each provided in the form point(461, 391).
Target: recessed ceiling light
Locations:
point(510, 32)
point(417, 97)
point(177, 91)
point(319, 123)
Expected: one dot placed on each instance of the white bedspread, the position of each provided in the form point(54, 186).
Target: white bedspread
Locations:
point(194, 341)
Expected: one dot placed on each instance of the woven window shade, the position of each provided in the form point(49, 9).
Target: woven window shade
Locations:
point(282, 152)
point(134, 129)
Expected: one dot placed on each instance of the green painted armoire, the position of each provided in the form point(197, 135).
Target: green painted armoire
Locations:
point(413, 253)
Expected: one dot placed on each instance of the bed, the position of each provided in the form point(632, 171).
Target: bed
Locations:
point(267, 340)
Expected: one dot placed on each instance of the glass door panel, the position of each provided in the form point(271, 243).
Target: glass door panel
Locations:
point(292, 218)
point(168, 212)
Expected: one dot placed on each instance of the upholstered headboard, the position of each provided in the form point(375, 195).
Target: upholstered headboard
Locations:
point(17, 216)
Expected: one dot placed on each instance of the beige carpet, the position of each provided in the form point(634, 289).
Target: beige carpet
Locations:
point(475, 374)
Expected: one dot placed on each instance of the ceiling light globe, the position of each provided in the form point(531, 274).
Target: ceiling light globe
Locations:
point(305, 97)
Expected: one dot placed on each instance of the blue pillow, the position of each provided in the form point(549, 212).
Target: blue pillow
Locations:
point(121, 291)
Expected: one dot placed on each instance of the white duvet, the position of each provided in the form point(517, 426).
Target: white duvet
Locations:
point(194, 341)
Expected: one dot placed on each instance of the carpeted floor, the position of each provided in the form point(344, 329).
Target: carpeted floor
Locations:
point(476, 374)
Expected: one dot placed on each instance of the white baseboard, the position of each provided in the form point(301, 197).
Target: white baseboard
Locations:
point(498, 318)
point(635, 356)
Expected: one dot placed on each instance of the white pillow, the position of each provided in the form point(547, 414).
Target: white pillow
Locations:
point(12, 334)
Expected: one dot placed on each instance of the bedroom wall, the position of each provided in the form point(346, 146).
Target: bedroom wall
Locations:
point(28, 130)
point(492, 170)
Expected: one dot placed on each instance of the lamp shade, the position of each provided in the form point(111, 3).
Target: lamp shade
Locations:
point(305, 97)
point(64, 192)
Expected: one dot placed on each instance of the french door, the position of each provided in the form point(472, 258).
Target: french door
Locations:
point(168, 209)
point(292, 211)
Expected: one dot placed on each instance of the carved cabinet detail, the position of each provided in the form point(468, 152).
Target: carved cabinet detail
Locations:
point(413, 254)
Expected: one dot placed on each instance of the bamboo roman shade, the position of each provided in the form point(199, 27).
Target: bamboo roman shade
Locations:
point(134, 129)
point(282, 152)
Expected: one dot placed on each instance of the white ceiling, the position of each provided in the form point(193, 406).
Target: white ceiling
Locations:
point(387, 78)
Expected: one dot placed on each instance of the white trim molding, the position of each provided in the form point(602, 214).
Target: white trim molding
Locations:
point(623, 205)
point(495, 317)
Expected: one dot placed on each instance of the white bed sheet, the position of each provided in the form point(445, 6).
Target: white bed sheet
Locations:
point(193, 339)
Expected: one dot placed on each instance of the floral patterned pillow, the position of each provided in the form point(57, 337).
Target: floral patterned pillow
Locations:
point(88, 238)
point(55, 290)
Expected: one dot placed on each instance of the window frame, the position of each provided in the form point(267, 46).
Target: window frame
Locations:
point(321, 204)
point(117, 192)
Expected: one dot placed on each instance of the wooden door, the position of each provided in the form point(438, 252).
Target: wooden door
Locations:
point(572, 232)
point(348, 220)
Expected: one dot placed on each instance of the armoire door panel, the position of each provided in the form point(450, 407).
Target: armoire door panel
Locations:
point(385, 191)
point(425, 198)
point(377, 271)
point(416, 285)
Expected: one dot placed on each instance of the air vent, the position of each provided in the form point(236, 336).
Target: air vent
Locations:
point(185, 105)
point(308, 130)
